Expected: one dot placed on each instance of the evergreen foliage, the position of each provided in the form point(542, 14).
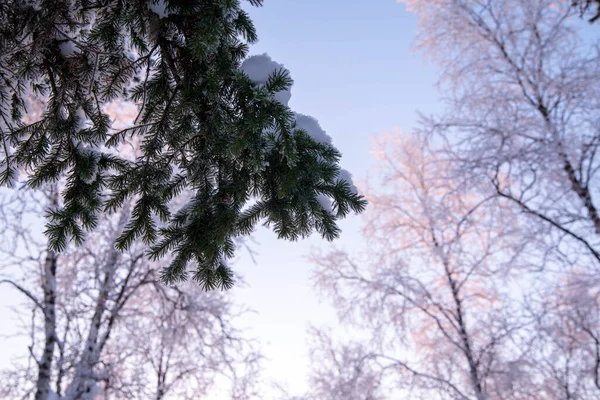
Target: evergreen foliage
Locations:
point(204, 126)
point(589, 7)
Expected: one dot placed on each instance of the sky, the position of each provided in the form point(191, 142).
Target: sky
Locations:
point(354, 71)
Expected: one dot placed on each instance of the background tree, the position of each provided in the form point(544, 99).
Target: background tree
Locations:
point(481, 278)
point(444, 303)
point(341, 372)
point(102, 326)
point(523, 110)
point(430, 292)
point(202, 125)
point(563, 356)
point(345, 371)
point(523, 120)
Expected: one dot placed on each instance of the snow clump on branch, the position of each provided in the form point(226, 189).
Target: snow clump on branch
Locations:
point(259, 68)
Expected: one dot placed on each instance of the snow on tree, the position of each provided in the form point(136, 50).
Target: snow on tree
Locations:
point(101, 325)
point(259, 69)
point(523, 108)
point(428, 291)
point(206, 123)
point(339, 372)
point(565, 361)
point(522, 120)
point(480, 280)
point(444, 301)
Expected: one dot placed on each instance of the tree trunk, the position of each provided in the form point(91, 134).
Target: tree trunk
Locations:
point(45, 364)
point(83, 380)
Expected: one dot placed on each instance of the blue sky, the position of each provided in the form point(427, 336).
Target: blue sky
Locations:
point(355, 72)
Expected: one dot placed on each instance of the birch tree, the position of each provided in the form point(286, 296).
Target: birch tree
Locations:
point(429, 291)
point(564, 354)
point(508, 187)
point(342, 372)
point(523, 117)
point(523, 110)
point(345, 371)
point(101, 326)
point(445, 301)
